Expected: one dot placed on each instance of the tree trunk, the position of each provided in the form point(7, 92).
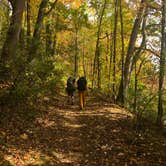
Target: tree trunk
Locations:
point(48, 40)
point(110, 63)
point(83, 56)
point(76, 54)
point(37, 29)
point(162, 64)
point(38, 26)
point(54, 51)
point(114, 53)
point(97, 51)
point(122, 53)
point(135, 89)
point(28, 23)
point(129, 57)
point(39, 21)
point(12, 38)
point(107, 52)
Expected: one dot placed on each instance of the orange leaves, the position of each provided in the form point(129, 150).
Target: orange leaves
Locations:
point(76, 4)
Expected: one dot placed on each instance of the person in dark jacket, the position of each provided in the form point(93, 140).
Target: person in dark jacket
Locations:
point(82, 88)
point(70, 89)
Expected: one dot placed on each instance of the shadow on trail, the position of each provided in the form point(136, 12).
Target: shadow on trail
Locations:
point(65, 136)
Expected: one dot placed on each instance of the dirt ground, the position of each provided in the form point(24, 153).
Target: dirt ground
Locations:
point(59, 134)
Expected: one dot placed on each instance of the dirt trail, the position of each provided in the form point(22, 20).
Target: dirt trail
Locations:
point(62, 135)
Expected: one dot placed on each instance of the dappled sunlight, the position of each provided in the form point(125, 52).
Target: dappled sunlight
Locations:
point(33, 157)
point(99, 111)
point(22, 157)
point(72, 125)
point(59, 136)
point(46, 122)
point(70, 117)
point(67, 157)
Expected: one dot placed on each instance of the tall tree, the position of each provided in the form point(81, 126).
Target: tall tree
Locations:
point(97, 51)
point(122, 94)
point(42, 13)
point(162, 63)
point(79, 18)
point(76, 51)
point(12, 38)
point(114, 52)
point(122, 50)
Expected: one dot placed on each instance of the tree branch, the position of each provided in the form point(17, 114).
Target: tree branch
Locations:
point(153, 52)
point(106, 35)
point(52, 7)
point(143, 42)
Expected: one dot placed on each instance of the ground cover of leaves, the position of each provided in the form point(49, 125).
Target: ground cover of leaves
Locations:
point(59, 134)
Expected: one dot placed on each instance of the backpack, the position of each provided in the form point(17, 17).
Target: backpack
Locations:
point(81, 84)
point(70, 84)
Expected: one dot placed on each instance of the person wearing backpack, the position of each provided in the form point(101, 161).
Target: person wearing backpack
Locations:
point(70, 89)
point(82, 87)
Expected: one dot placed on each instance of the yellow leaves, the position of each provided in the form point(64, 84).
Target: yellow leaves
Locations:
point(24, 136)
point(66, 39)
point(75, 4)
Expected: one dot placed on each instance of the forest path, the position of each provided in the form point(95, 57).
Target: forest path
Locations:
point(62, 135)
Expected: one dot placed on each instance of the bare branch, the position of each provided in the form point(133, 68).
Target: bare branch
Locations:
point(151, 51)
point(106, 35)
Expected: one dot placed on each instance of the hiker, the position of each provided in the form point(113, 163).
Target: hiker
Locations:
point(70, 89)
point(163, 121)
point(82, 87)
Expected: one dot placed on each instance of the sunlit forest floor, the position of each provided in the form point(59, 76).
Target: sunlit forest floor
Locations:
point(60, 134)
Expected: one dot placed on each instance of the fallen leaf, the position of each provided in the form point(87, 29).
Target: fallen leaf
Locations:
point(24, 136)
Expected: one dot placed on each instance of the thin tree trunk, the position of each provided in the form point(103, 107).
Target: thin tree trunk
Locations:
point(107, 59)
point(48, 40)
point(110, 63)
point(135, 89)
point(162, 64)
point(136, 82)
point(121, 99)
point(107, 51)
point(28, 15)
point(114, 54)
point(83, 57)
point(12, 38)
point(54, 51)
point(76, 53)
point(28, 22)
point(97, 51)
